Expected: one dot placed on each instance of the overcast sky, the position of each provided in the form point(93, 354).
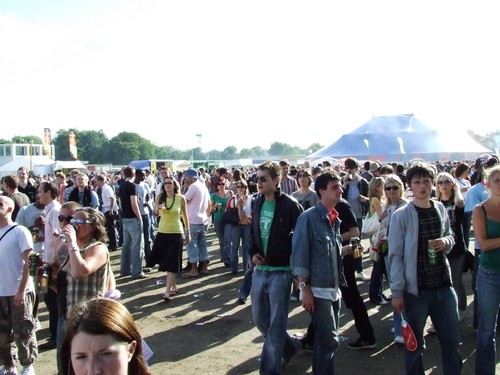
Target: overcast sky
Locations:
point(245, 73)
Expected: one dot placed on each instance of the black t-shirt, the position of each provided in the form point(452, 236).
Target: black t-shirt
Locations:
point(347, 217)
point(127, 189)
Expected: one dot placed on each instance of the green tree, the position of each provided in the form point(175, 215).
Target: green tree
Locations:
point(61, 145)
point(229, 153)
point(90, 144)
point(26, 139)
point(313, 148)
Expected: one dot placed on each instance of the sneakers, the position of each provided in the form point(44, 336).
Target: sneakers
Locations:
point(38, 326)
point(380, 302)
point(399, 339)
point(28, 370)
point(362, 276)
point(431, 329)
point(140, 276)
point(360, 344)
point(295, 296)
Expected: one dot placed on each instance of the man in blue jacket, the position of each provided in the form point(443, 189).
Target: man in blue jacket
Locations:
point(317, 262)
point(273, 222)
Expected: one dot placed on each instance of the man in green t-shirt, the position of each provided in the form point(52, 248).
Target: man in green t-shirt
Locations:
point(273, 220)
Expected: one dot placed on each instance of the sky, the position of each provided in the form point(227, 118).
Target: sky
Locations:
point(245, 73)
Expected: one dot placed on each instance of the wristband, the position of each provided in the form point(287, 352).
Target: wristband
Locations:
point(73, 249)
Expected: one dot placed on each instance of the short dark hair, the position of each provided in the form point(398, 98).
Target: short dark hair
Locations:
point(272, 167)
point(50, 187)
point(351, 163)
point(419, 170)
point(129, 171)
point(324, 179)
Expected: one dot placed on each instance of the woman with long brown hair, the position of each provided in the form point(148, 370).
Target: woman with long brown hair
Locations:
point(102, 337)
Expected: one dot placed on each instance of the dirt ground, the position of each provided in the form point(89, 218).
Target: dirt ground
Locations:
point(203, 330)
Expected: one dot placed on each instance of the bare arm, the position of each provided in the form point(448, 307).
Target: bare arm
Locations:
point(479, 227)
point(82, 267)
point(185, 219)
point(19, 297)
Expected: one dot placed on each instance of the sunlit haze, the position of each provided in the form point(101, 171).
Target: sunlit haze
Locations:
point(245, 73)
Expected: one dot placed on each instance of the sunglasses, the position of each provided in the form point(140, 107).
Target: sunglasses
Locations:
point(62, 218)
point(168, 183)
point(80, 221)
point(241, 187)
point(263, 178)
point(394, 188)
point(301, 175)
point(444, 182)
point(221, 184)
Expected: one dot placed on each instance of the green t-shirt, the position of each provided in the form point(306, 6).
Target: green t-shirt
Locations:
point(266, 220)
point(223, 201)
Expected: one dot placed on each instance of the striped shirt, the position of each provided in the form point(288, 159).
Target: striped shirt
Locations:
point(94, 285)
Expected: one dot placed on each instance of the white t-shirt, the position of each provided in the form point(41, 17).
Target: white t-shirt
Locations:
point(12, 247)
point(107, 194)
point(52, 230)
point(198, 199)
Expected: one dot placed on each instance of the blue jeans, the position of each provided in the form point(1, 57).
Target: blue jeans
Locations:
point(224, 242)
point(237, 232)
point(488, 301)
point(326, 339)
point(441, 305)
point(197, 248)
point(270, 303)
point(133, 247)
point(246, 287)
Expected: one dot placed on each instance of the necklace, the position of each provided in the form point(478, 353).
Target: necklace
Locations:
point(172, 205)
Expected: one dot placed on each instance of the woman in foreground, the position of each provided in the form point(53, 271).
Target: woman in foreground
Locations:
point(101, 337)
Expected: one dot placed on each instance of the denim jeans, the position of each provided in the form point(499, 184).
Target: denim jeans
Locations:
point(237, 232)
point(270, 303)
point(133, 247)
point(377, 281)
point(325, 320)
point(224, 244)
point(197, 248)
point(457, 269)
point(488, 301)
point(441, 305)
point(246, 287)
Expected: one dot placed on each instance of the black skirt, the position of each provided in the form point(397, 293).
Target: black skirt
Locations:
point(167, 252)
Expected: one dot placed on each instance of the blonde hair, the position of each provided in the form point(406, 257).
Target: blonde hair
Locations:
point(375, 183)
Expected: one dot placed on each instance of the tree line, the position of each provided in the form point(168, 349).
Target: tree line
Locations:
point(96, 148)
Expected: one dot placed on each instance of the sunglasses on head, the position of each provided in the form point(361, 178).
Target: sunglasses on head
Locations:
point(80, 221)
point(62, 218)
point(389, 188)
point(444, 182)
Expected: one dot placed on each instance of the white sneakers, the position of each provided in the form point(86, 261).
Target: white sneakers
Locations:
point(362, 276)
point(399, 340)
point(11, 371)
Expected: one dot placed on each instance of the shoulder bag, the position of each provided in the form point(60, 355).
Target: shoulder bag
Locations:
point(370, 224)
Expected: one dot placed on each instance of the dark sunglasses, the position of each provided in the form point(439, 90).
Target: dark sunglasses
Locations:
point(442, 182)
point(394, 188)
point(301, 175)
point(241, 187)
point(263, 178)
point(221, 184)
point(168, 183)
point(62, 218)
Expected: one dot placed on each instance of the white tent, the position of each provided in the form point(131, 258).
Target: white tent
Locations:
point(68, 164)
point(41, 162)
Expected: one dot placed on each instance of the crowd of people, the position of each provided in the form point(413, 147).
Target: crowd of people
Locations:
point(293, 234)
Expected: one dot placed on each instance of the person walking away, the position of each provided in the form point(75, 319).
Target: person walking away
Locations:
point(198, 209)
point(133, 244)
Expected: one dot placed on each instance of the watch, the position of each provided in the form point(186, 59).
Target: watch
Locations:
point(302, 285)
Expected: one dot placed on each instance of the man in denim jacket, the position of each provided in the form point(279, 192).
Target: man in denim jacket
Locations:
point(420, 277)
point(317, 262)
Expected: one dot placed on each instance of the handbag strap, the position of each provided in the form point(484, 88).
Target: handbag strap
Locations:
point(8, 230)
